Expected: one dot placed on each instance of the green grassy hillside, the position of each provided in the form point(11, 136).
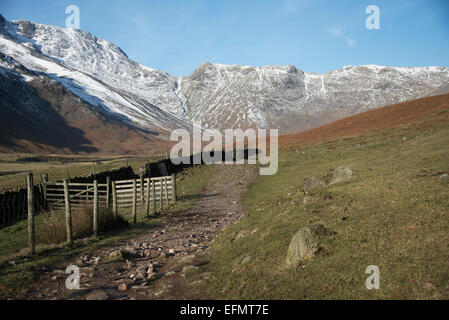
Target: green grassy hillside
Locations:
point(393, 214)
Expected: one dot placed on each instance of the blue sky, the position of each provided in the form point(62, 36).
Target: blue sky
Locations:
point(314, 35)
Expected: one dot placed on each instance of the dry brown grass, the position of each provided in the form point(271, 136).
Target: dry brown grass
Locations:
point(51, 227)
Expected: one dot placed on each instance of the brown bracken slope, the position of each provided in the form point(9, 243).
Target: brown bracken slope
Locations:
point(374, 120)
point(44, 117)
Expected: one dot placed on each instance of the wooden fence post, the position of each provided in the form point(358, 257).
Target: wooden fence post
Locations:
point(44, 180)
point(166, 189)
point(134, 214)
point(114, 199)
point(147, 204)
point(142, 199)
point(31, 226)
point(173, 187)
point(153, 184)
point(108, 191)
point(95, 208)
point(161, 198)
point(68, 213)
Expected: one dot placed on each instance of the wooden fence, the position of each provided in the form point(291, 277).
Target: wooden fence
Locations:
point(80, 194)
point(145, 194)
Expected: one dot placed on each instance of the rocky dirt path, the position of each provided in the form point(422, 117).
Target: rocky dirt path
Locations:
point(165, 262)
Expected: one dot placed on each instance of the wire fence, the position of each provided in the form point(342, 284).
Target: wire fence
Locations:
point(14, 218)
point(14, 205)
point(13, 208)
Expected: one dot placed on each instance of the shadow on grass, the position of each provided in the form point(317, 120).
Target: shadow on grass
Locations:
point(196, 196)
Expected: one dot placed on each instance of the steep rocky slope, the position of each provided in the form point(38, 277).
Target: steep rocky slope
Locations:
point(287, 98)
point(39, 115)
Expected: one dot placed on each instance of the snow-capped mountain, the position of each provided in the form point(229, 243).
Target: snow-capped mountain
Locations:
point(221, 96)
point(287, 98)
point(93, 69)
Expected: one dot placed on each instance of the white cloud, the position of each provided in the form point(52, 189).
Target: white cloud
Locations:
point(350, 42)
point(335, 31)
point(338, 33)
point(290, 5)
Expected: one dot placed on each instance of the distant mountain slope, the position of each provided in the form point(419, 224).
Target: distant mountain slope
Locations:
point(91, 68)
point(373, 120)
point(39, 115)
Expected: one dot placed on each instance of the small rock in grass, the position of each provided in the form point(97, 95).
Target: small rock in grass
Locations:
point(246, 259)
point(307, 200)
point(122, 286)
point(169, 273)
point(116, 255)
point(98, 295)
point(188, 269)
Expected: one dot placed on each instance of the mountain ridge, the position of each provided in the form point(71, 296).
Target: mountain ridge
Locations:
point(220, 96)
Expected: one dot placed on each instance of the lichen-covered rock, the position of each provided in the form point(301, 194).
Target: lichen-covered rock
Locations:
point(305, 244)
point(312, 183)
point(342, 174)
point(338, 175)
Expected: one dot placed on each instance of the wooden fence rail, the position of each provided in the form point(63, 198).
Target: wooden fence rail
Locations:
point(144, 194)
point(80, 194)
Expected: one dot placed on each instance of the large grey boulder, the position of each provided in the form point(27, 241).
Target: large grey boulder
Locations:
point(305, 244)
point(338, 175)
point(342, 174)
